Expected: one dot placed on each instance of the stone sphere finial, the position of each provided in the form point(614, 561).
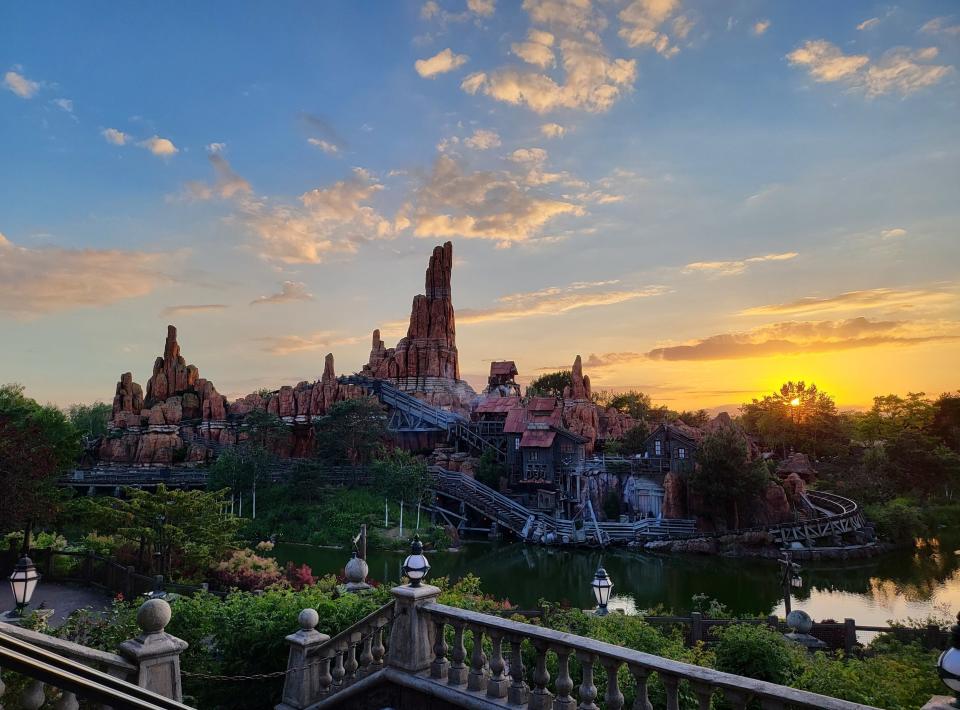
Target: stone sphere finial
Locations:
point(308, 619)
point(153, 615)
point(356, 570)
point(799, 621)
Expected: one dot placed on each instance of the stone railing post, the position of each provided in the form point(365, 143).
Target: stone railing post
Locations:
point(412, 636)
point(155, 652)
point(302, 679)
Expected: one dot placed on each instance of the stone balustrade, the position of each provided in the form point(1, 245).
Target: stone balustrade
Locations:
point(319, 666)
point(460, 658)
point(144, 674)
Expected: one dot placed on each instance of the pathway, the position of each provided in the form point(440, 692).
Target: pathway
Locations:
point(62, 598)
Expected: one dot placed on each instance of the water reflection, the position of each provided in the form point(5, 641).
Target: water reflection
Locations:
point(896, 585)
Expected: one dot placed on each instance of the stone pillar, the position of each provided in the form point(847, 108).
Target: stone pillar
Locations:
point(155, 652)
point(299, 685)
point(413, 634)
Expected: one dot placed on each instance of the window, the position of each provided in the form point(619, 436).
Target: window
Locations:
point(516, 444)
point(681, 453)
point(533, 455)
point(657, 448)
point(566, 447)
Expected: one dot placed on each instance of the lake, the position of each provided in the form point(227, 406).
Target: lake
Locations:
point(905, 583)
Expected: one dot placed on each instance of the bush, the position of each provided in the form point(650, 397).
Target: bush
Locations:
point(757, 652)
point(899, 521)
point(246, 570)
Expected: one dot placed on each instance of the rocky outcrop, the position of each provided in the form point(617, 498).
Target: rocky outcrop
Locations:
point(799, 465)
point(579, 389)
point(425, 362)
point(582, 416)
point(674, 498)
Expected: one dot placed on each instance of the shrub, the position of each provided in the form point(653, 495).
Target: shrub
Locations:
point(246, 570)
point(899, 521)
point(757, 652)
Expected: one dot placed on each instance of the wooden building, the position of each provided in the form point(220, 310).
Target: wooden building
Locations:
point(671, 448)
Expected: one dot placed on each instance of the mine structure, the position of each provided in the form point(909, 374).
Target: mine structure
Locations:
point(556, 483)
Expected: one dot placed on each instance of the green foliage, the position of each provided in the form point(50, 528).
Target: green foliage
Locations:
point(400, 476)
point(489, 470)
point(797, 417)
point(611, 506)
point(37, 445)
point(709, 607)
point(551, 384)
point(633, 402)
point(352, 431)
point(898, 521)
point(633, 439)
point(757, 651)
point(171, 531)
point(241, 469)
point(725, 477)
point(90, 420)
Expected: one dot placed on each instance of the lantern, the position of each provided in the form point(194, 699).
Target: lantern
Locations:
point(601, 590)
point(948, 665)
point(22, 583)
point(416, 566)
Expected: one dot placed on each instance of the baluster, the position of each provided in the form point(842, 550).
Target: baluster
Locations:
point(640, 676)
point(378, 648)
point(737, 698)
point(498, 682)
point(671, 683)
point(564, 701)
point(588, 691)
point(703, 693)
point(324, 677)
point(33, 696)
point(366, 655)
point(338, 669)
point(613, 696)
point(3, 689)
point(519, 690)
point(478, 661)
point(440, 665)
point(67, 701)
point(540, 697)
point(457, 675)
point(350, 665)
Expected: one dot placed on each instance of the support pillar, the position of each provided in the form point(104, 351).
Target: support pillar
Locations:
point(155, 652)
point(303, 679)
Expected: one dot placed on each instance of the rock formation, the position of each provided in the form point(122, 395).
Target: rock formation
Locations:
point(425, 362)
point(582, 416)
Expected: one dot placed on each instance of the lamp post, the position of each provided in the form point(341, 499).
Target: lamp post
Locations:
point(23, 582)
point(948, 665)
point(601, 585)
point(415, 567)
point(791, 578)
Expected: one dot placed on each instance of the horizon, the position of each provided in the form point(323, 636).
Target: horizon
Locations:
point(702, 202)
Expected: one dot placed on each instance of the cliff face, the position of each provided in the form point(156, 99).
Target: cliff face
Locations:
point(582, 416)
point(425, 362)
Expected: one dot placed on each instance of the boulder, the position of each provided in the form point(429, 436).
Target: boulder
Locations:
point(673, 497)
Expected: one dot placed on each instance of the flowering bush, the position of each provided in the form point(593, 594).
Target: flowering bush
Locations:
point(246, 570)
point(300, 577)
point(265, 546)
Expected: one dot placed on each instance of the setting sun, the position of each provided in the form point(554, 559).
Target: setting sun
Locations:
point(795, 402)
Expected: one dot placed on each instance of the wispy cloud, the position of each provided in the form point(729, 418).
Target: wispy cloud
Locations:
point(552, 130)
point(440, 63)
point(900, 70)
point(289, 291)
point(808, 337)
point(228, 183)
point(941, 25)
point(115, 136)
point(868, 24)
point(326, 146)
point(732, 268)
point(877, 298)
point(20, 85)
point(191, 309)
point(35, 282)
point(760, 26)
point(321, 340)
point(483, 139)
point(161, 147)
point(556, 300)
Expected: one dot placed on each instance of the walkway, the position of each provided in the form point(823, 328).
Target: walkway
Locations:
point(62, 598)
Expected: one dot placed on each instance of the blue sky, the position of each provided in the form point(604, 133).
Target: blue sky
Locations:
point(701, 198)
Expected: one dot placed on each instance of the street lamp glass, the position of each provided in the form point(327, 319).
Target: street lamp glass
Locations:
point(601, 589)
point(416, 566)
point(23, 581)
point(948, 665)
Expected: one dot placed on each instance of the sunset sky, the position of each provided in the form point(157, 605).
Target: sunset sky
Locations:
point(703, 199)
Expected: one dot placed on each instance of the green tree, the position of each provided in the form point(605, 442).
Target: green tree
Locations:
point(946, 420)
point(37, 445)
point(724, 476)
point(352, 432)
point(91, 420)
point(173, 531)
point(489, 470)
point(242, 469)
point(400, 476)
point(633, 402)
point(798, 417)
point(551, 384)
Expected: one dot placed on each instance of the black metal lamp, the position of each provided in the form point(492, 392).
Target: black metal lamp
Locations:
point(601, 590)
point(23, 582)
point(948, 665)
point(416, 566)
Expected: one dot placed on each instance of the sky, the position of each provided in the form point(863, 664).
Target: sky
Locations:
point(703, 199)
